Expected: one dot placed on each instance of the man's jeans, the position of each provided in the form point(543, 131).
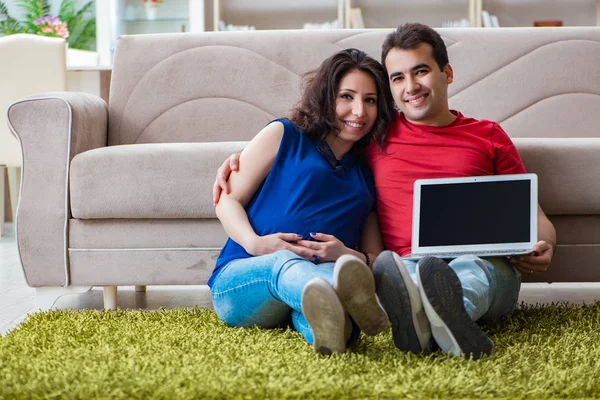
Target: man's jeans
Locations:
point(264, 290)
point(490, 286)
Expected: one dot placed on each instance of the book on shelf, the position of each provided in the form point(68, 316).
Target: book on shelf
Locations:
point(229, 27)
point(356, 18)
point(458, 23)
point(335, 24)
point(548, 23)
point(489, 20)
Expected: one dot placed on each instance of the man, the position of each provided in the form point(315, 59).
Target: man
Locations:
point(435, 297)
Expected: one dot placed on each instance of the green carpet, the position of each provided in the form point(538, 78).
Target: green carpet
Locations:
point(544, 351)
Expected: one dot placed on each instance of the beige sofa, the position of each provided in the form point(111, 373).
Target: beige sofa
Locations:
point(122, 195)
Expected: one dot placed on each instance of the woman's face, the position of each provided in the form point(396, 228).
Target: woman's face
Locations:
point(355, 106)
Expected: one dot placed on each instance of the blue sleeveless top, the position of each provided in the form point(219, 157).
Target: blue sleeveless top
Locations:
point(303, 193)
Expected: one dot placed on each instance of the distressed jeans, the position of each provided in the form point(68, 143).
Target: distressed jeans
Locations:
point(265, 290)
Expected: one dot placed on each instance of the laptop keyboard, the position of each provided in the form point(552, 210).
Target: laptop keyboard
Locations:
point(476, 253)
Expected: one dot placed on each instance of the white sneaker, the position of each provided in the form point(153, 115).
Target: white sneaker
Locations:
point(325, 315)
point(354, 284)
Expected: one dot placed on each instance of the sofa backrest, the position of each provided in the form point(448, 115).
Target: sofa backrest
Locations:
point(225, 86)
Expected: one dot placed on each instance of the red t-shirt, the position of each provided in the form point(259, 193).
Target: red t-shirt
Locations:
point(467, 147)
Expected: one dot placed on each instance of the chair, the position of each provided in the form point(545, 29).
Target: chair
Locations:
point(31, 65)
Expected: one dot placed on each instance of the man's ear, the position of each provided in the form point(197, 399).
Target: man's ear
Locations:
point(449, 74)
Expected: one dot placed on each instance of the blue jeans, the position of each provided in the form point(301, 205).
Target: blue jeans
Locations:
point(265, 290)
point(490, 286)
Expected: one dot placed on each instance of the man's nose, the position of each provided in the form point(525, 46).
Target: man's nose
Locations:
point(412, 86)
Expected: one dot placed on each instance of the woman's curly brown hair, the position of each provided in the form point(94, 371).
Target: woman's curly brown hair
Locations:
point(315, 112)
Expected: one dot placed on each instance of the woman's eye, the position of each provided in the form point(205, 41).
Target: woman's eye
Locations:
point(346, 96)
point(372, 101)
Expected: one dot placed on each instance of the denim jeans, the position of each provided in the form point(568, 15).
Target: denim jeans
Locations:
point(490, 286)
point(265, 290)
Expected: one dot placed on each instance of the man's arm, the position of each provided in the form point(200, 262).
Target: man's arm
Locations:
point(543, 250)
point(230, 165)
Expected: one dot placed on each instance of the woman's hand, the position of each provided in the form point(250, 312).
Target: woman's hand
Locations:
point(328, 248)
point(261, 245)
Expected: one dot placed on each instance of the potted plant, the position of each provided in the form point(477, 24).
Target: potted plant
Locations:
point(78, 27)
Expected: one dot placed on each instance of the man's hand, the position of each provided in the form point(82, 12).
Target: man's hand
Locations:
point(268, 244)
point(328, 247)
point(537, 262)
point(231, 164)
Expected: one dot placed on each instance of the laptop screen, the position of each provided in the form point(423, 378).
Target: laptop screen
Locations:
point(473, 213)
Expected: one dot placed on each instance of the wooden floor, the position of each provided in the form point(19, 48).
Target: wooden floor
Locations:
point(17, 299)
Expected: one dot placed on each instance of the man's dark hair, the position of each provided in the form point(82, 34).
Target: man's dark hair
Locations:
point(315, 112)
point(412, 35)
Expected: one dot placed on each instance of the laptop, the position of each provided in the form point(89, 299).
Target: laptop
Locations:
point(482, 215)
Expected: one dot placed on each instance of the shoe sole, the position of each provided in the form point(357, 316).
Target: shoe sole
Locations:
point(442, 295)
point(403, 304)
point(325, 315)
point(353, 281)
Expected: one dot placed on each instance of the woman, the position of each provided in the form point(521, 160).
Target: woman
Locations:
point(305, 176)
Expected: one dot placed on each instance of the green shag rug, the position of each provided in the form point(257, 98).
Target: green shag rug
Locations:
point(543, 352)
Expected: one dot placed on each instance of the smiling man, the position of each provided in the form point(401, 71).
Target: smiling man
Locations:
point(428, 140)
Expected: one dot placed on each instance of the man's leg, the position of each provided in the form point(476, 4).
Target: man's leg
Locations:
point(395, 281)
point(460, 293)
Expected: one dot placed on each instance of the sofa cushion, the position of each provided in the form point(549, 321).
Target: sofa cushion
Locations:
point(566, 168)
point(167, 180)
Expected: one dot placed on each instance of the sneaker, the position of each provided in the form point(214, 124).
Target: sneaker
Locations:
point(401, 299)
point(453, 329)
point(354, 284)
point(326, 316)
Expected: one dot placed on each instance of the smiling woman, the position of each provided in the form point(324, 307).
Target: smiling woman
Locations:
point(303, 176)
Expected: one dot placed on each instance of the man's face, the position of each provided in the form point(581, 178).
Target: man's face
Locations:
point(418, 86)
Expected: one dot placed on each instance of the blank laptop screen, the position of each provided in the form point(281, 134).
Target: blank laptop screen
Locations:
point(475, 213)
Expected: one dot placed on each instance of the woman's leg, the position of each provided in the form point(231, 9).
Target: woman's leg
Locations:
point(263, 290)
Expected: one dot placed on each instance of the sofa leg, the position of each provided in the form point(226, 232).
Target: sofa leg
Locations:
point(46, 297)
point(110, 297)
point(140, 288)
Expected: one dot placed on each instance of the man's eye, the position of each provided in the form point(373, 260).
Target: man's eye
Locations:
point(397, 79)
point(421, 72)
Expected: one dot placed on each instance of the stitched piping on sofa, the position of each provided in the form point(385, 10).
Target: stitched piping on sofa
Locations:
point(527, 53)
point(174, 106)
point(65, 231)
point(135, 87)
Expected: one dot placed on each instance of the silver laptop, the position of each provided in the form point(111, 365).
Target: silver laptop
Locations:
point(482, 215)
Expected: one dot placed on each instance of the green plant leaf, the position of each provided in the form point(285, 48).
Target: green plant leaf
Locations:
point(8, 25)
point(67, 11)
point(82, 28)
point(33, 9)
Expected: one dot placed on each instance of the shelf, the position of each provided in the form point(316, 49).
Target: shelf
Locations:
point(145, 20)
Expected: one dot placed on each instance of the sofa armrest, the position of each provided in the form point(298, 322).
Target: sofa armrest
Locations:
point(51, 128)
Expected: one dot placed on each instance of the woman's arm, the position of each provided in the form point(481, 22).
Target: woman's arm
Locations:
point(255, 163)
point(330, 248)
point(371, 242)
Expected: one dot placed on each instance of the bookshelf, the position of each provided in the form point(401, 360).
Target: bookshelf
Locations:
point(510, 13)
point(276, 14)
